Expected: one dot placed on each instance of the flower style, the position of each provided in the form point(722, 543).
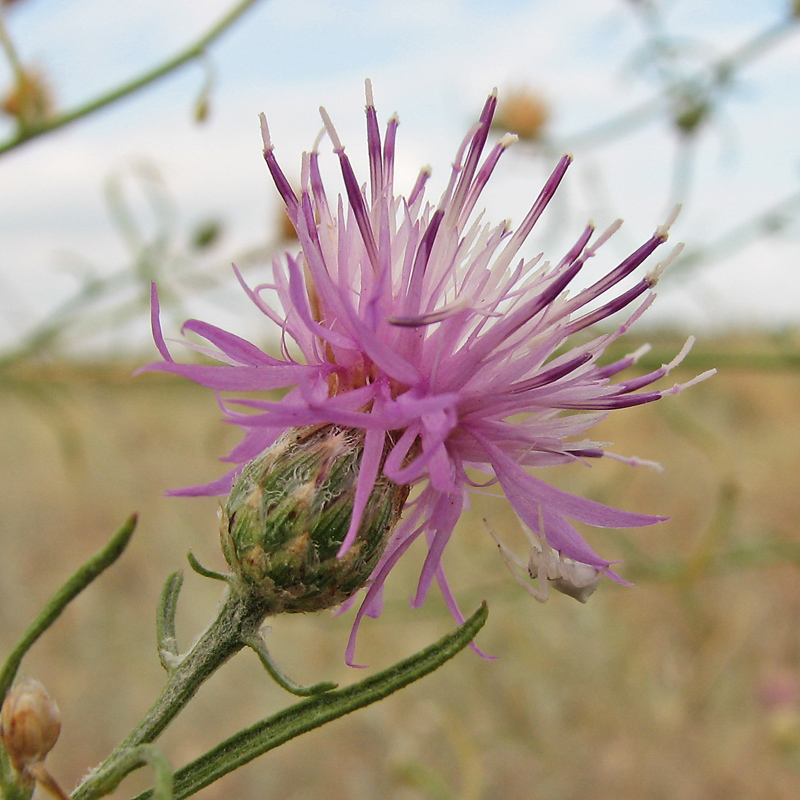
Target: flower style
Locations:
point(422, 327)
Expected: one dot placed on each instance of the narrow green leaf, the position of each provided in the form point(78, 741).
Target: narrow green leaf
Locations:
point(205, 571)
point(316, 711)
point(257, 644)
point(74, 585)
point(165, 621)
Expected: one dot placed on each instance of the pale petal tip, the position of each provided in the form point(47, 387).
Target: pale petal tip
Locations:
point(662, 231)
point(331, 131)
point(603, 237)
point(635, 461)
point(658, 270)
point(317, 141)
point(265, 138)
point(507, 139)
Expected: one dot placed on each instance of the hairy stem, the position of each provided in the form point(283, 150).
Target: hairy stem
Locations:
point(239, 618)
point(315, 711)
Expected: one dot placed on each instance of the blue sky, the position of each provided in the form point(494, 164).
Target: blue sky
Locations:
point(432, 61)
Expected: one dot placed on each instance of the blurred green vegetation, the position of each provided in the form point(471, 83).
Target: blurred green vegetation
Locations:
point(685, 685)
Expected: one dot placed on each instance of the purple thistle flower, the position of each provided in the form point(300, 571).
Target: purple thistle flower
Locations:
point(422, 326)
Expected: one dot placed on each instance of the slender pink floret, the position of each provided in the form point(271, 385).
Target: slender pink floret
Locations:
point(423, 326)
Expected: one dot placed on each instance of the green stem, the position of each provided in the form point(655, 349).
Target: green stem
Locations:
point(755, 47)
point(720, 71)
point(146, 754)
point(316, 711)
point(162, 789)
point(193, 51)
point(239, 618)
point(58, 602)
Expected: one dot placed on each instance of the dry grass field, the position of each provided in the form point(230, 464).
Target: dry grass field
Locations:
point(686, 686)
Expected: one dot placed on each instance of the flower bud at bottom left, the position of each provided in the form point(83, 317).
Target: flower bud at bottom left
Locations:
point(30, 723)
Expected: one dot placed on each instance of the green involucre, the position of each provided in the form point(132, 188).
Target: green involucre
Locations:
point(289, 512)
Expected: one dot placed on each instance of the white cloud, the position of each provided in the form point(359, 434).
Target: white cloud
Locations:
point(434, 63)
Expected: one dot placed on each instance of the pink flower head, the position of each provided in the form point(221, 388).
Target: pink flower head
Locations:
point(422, 325)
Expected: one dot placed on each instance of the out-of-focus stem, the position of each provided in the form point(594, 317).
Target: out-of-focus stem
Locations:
point(193, 51)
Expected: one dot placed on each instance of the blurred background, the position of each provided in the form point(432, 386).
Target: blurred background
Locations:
point(130, 152)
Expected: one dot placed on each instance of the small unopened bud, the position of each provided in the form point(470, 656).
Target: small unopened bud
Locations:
point(207, 234)
point(524, 113)
point(30, 724)
point(692, 108)
point(289, 512)
point(31, 100)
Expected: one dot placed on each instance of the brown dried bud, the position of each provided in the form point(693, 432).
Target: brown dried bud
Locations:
point(31, 99)
point(29, 724)
point(524, 113)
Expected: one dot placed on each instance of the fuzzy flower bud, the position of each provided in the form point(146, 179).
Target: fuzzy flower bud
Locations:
point(288, 514)
point(30, 723)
